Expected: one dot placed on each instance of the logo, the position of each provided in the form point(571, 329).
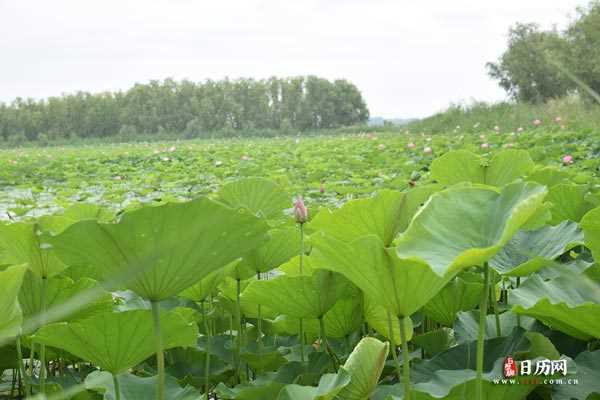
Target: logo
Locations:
point(510, 367)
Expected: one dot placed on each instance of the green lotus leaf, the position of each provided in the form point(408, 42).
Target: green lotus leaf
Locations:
point(298, 296)
point(384, 215)
point(487, 219)
point(458, 295)
point(528, 251)
point(59, 290)
point(463, 166)
point(55, 224)
point(204, 287)
point(266, 360)
point(590, 224)
point(135, 387)
point(466, 325)
point(22, 243)
point(376, 316)
point(283, 244)
point(10, 312)
point(588, 384)
point(402, 286)
point(569, 303)
point(568, 202)
point(435, 341)
point(364, 364)
point(549, 176)
point(329, 386)
point(292, 267)
point(261, 196)
point(116, 341)
point(162, 250)
point(259, 389)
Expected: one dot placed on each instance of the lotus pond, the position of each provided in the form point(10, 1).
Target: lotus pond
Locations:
point(373, 266)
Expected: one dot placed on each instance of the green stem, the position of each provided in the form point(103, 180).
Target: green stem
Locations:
point(481, 335)
point(325, 345)
point(43, 346)
point(238, 347)
point(323, 335)
point(301, 267)
point(405, 360)
point(207, 360)
point(31, 358)
point(518, 315)
point(21, 365)
point(259, 327)
point(160, 355)
point(301, 340)
point(117, 387)
point(393, 343)
point(495, 307)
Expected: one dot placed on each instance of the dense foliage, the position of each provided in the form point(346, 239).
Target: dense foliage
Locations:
point(186, 108)
point(414, 266)
point(527, 69)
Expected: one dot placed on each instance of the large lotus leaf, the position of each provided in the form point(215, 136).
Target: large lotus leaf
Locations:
point(376, 316)
point(59, 290)
point(435, 341)
point(464, 166)
point(465, 226)
point(458, 385)
point(10, 312)
point(163, 250)
point(402, 286)
point(204, 287)
point(549, 176)
point(590, 224)
point(528, 251)
point(298, 296)
point(384, 215)
point(283, 244)
point(569, 303)
point(458, 295)
point(329, 386)
point(22, 243)
point(292, 267)
point(568, 202)
point(189, 364)
point(55, 224)
point(261, 196)
point(262, 388)
point(466, 326)
point(134, 387)
point(588, 365)
point(117, 341)
point(364, 364)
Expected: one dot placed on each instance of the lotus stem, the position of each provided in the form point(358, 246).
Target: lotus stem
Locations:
point(405, 360)
point(301, 267)
point(495, 307)
point(238, 347)
point(117, 387)
point(207, 359)
point(259, 325)
point(393, 343)
point(480, 337)
point(21, 365)
point(43, 346)
point(31, 358)
point(160, 355)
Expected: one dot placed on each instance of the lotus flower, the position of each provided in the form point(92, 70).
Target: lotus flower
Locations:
point(520, 129)
point(509, 145)
point(427, 150)
point(537, 122)
point(485, 145)
point(172, 149)
point(497, 128)
point(381, 146)
point(411, 145)
point(567, 160)
point(322, 188)
point(558, 120)
point(300, 210)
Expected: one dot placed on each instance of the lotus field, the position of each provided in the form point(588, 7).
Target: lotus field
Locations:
point(370, 266)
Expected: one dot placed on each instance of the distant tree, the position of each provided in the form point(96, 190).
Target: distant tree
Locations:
point(524, 71)
point(583, 38)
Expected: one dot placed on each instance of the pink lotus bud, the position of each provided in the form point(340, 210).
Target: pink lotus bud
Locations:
point(322, 188)
point(411, 145)
point(557, 119)
point(245, 158)
point(481, 136)
point(562, 126)
point(172, 149)
point(520, 129)
point(427, 150)
point(485, 145)
point(381, 146)
point(568, 159)
point(537, 122)
point(300, 210)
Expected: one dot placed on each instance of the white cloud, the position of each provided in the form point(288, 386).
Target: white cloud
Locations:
point(408, 58)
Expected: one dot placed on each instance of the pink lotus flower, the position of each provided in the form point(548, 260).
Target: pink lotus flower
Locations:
point(509, 145)
point(381, 146)
point(300, 210)
point(537, 122)
point(497, 128)
point(563, 127)
point(567, 160)
point(558, 120)
point(172, 149)
point(322, 188)
point(411, 145)
point(427, 150)
point(244, 158)
point(118, 178)
point(520, 129)
point(485, 145)
point(481, 136)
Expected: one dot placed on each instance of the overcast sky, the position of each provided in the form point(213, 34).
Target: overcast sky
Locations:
point(409, 58)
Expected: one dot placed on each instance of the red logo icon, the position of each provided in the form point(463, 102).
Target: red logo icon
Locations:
point(510, 367)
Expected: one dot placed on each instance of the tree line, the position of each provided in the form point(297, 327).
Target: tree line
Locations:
point(528, 69)
point(188, 108)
